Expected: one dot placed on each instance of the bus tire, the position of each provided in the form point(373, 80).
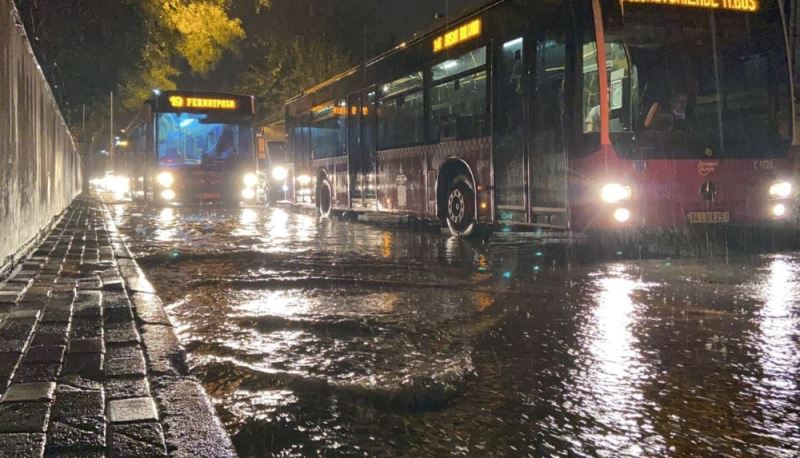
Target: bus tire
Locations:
point(461, 212)
point(324, 199)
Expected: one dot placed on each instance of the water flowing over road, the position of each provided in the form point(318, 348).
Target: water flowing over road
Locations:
point(340, 337)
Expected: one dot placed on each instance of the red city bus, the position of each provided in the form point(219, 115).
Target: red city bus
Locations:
point(190, 146)
point(501, 119)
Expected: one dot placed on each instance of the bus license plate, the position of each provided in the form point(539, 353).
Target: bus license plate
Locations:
point(709, 217)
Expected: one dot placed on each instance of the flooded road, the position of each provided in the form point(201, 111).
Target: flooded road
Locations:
point(348, 338)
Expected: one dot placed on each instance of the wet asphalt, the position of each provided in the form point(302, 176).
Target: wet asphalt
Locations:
point(335, 337)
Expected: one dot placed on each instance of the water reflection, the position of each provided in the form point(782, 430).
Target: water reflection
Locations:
point(778, 391)
point(166, 230)
point(344, 338)
point(387, 244)
point(613, 379)
point(277, 228)
point(247, 223)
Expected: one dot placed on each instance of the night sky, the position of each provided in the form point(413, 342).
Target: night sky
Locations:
point(406, 17)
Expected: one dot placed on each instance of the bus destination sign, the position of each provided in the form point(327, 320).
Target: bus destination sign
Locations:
point(177, 101)
point(203, 102)
point(749, 6)
point(458, 35)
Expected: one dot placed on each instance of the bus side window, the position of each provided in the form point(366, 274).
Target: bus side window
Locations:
point(459, 102)
point(620, 87)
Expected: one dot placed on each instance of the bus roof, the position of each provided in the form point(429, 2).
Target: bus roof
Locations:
point(426, 34)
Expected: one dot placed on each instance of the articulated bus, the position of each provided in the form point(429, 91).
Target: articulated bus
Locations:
point(562, 115)
point(192, 147)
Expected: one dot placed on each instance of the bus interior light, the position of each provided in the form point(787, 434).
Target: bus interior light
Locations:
point(280, 173)
point(168, 195)
point(250, 180)
point(781, 189)
point(165, 179)
point(615, 192)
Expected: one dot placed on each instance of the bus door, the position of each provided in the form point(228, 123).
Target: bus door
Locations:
point(509, 132)
point(361, 150)
point(548, 158)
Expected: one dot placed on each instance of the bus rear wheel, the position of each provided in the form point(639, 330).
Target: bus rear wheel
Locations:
point(324, 199)
point(461, 214)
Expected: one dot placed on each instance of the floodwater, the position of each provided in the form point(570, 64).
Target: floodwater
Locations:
point(329, 338)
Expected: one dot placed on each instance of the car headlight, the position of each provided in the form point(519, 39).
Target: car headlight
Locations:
point(280, 173)
point(250, 180)
point(248, 194)
point(781, 189)
point(168, 195)
point(615, 192)
point(165, 179)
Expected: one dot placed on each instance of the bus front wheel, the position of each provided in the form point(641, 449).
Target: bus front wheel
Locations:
point(324, 199)
point(461, 215)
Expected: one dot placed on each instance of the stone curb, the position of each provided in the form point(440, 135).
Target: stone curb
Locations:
point(191, 426)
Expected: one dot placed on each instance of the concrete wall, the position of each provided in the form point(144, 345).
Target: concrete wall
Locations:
point(40, 170)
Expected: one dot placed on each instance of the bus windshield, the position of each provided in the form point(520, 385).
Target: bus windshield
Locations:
point(710, 83)
point(190, 139)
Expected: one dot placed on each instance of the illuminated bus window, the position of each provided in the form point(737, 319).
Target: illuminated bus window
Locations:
point(195, 139)
point(709, 82)
point(621, 86)
point(464, 63)
point(328, 131)
point(459, 108)
point(401, 85)
point(401, 120)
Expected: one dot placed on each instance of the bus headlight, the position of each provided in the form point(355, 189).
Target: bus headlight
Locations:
point(781, 189)
point(622, 215)
point(165, 179)
point(168, 195)
point(280, 173)
point(248, 194)
point(615, 192)
point(250, 180)
point(779, 210)
point(304, 180)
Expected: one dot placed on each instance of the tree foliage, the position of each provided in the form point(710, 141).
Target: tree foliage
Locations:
point(89, 48)
point(286, 69)
point(196, 33)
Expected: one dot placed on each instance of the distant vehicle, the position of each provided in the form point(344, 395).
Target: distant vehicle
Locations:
point(500, 118)
point(273, 163)
point(192, 147)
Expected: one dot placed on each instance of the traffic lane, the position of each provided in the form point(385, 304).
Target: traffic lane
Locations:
point(342, 336)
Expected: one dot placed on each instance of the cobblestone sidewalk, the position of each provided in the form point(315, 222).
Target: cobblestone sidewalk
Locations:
point(89, 363)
